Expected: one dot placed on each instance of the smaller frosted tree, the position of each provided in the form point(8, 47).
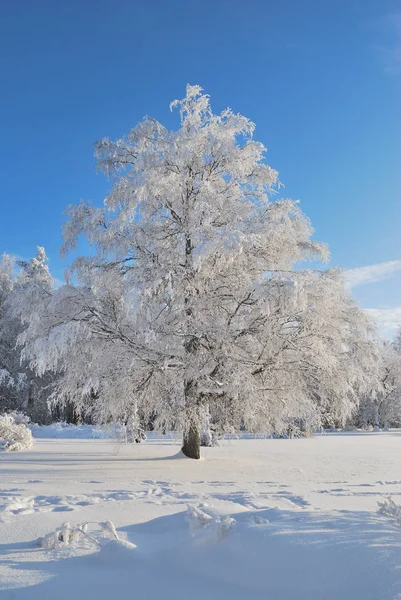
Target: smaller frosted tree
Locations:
point(397, 341)
point(21, 291)
point(11, 380)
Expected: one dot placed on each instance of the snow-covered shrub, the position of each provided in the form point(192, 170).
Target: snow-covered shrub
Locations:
point(109, 530)
point(208, 435)
point(14, 434)
point(134, 432)
point(197, 519)
point(5, 378)
point(127, 431)
point(77, 535)
point(389, 508)
point(225, 525)
point(66, 535)
point(292, 430)
point(350, 428)
point(207, 438)
point(218, 527)
point(19, 417)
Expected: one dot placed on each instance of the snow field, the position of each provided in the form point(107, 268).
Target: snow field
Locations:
point(254, 519)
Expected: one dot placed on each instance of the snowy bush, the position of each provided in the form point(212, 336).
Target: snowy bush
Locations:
point(389, 508)
point(19, 417)
point(134, 432)
point(66, 535)
point(14, 434)
point(208, 435)
point(197, 519)
point(291, 431)
point(77, 535)
point(208, 438)
point(129, 431)
point(217, 526)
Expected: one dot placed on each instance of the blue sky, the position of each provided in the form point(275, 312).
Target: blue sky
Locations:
point(321, 80)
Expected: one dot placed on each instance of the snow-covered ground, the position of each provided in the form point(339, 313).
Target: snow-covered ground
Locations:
point(303, 519)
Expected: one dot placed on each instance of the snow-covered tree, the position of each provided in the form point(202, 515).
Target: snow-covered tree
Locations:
point(397, 341)
point(11, 380)
point(381, 404)
point(314, 360)
point(20, 388)
point(190, 298)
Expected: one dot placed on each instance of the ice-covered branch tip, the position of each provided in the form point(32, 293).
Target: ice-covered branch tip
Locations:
point(390, 509)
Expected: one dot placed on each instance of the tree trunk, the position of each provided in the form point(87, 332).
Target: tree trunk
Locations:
point(377, 416)
point(191, 442)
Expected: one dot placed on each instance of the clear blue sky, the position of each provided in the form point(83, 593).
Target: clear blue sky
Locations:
point(320, 78)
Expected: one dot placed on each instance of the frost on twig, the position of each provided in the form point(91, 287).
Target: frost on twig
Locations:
point(389, 508)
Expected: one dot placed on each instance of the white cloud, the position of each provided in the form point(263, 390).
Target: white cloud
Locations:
point(388, 319)
point(372, 273)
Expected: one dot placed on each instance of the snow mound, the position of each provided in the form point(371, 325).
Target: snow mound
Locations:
point(14, 434)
